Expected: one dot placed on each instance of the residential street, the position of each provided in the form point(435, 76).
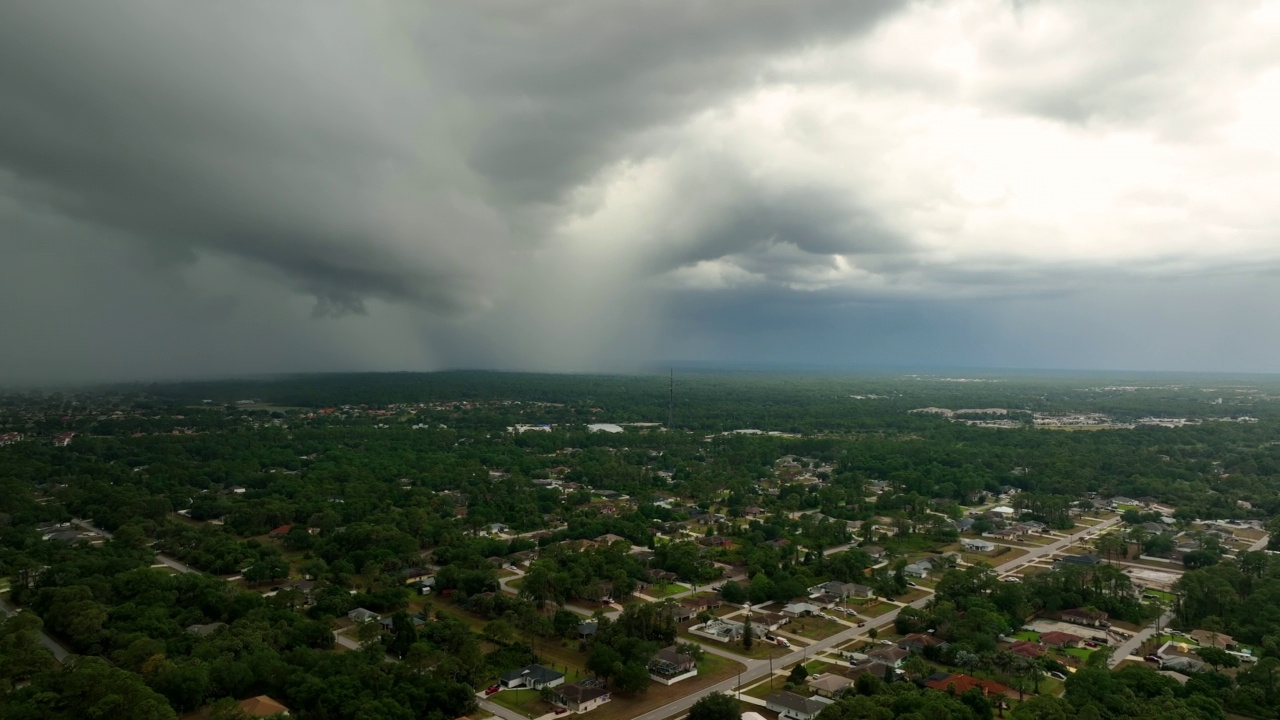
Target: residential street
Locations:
point(59, 653)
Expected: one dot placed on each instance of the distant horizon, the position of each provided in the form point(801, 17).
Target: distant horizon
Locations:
point(696, 367)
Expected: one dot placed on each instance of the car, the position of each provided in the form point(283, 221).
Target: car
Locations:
point(1057, 676)
point(862, 624)
point(561, 710)
point(492, 689)
point(1152, 658)
point(770, 637)
point(1090, 644)
point(783, 642)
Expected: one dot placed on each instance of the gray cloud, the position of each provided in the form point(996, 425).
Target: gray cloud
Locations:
point(584, 185)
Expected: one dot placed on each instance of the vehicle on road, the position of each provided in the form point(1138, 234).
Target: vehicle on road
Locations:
point(492, 689)
point(862, 624)
point(783, 642)
point(1057, 676)
point(1152, 658)
point(561, 710)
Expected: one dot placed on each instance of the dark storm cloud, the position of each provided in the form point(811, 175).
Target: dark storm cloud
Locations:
point(568, 83)
point(332, 146)
point(756, 219)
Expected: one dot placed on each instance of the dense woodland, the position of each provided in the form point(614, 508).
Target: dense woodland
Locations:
point(355, 482)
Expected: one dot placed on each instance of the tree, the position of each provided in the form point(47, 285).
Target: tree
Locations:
point(716, 706)
point(1217, 657)
point(732, 592)
point(403, 634)
point(747, 633)
point(798, 674)
point(1044, 707)
point(632, 678)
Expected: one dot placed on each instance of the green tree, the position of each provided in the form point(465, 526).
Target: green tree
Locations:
point(747, 633)
point(716, 706)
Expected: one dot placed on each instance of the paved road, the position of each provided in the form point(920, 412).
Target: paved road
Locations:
point(165, 559)
point(59, 653)
point(1127, 648)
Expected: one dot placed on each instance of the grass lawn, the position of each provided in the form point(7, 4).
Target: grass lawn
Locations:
point(660, 591)
point(1081, 653)
point(911, 596)
point(1031, 635)
point(875, 610)
point(711, 670)
point(762, 689)
point(526, 702)
point(473, 621)
point(1166, 597)
point(813, 628)
point(761, 649)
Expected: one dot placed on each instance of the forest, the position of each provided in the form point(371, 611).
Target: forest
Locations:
point(192, 545)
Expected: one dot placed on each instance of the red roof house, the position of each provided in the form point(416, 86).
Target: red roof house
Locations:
point(963, 683)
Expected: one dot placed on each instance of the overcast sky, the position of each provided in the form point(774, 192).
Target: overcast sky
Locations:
point(197, 188)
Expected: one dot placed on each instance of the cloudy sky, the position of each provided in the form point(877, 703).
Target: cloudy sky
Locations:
point(194, 188)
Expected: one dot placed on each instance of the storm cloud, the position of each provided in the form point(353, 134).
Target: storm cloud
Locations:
point(209, 188)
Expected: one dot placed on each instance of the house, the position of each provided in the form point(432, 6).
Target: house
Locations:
point(1061, 639)
point(361, 615)
point(413, 575)
point(682, 613)
point(583, 696)
point(828, 685)
point(497, 528)
point(610, 538)
point(842, 590)
point(801, 609)
point(1181, 664)
point(768, 620)
point(1026, 649)
point(534, 677)
point(977, 545)
point(917, 570)
point(205, 630)
point(917, 642)
point(715, 541)
point(1088, 618)
point(63, 439)
point(661, 576)
point(875, 551)
point(824, 599)
point(280, 531)
point(874, 669)
point(587, 630)
point(961, 683)
point(791, 706)
point(66, 536)
point(669, 666)
point(1208, 638)
point(262, 706)
point(890, 655)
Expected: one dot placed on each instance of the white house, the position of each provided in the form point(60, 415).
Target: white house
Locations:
point(977, 545)
point(791, 706)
